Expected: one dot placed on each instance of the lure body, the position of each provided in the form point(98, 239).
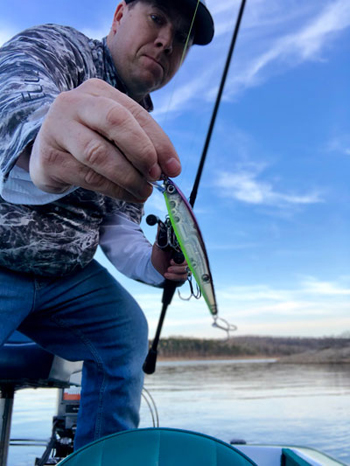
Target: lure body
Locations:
point(191, 241)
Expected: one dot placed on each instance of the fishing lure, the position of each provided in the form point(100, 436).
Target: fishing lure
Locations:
point(190, 240)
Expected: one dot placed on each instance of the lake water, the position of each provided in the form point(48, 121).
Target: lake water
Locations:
point(258, 401)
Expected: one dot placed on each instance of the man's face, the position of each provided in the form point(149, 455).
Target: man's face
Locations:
point(147, 44)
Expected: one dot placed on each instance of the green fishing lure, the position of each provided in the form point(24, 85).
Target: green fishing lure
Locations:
point(191, 242)
point(182, 223)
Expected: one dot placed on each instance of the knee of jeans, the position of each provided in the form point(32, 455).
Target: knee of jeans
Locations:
point(141, 331)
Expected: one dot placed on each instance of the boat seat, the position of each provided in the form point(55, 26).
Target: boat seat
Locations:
point(157, 447)
point(291, 458)
point(24, 364)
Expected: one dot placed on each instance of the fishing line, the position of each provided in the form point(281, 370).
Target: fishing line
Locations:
point(183, 56)
point(174, 85)
point(151, 406)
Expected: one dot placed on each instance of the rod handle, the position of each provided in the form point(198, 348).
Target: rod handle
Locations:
point(149, 366)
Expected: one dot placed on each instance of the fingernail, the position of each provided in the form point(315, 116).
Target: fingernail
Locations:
point(173, 167)
point(155, 172)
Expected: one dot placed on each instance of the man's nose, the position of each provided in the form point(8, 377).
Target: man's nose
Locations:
point(165, 39)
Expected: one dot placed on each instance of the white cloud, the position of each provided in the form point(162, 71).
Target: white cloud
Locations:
point(309, 296)
point(311, 285)
point(257, 16)
point(246, 187)
point(180, 95)
point(334, 18)
point(257, 292)
point(314, 327)
point(294, 48)
point(231, 247)
point(269, 49)
point(339, 144)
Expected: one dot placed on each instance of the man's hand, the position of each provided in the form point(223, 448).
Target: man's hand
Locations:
point(98, 138)
point(166, 266)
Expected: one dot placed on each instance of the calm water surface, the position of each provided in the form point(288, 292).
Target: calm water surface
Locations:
point(258, 401)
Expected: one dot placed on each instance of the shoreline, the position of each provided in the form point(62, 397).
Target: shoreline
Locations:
point(310, 357)
point(283, 350)
point(216, 358)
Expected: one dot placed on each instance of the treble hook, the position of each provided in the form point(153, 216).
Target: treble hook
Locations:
point(196, 295)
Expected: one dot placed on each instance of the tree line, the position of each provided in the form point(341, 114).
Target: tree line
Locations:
point(245, 346)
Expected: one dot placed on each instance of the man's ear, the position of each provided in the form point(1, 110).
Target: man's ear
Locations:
point(118, 14)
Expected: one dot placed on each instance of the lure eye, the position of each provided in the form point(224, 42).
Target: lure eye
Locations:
point(170, 189)
point(206, 278)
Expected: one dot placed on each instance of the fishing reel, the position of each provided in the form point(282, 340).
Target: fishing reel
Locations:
point(166, 239)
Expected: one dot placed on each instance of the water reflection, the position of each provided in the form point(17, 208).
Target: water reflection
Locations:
point(262, 402)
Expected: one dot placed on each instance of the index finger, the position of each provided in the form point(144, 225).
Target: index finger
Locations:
point(167, 157)
point(167, 160)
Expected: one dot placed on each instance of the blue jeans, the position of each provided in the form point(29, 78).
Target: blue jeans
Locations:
point(85, 316)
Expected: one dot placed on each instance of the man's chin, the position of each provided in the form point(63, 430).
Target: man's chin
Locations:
point(148, 83)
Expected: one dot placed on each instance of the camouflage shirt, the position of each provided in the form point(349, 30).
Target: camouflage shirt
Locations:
point(58, 238)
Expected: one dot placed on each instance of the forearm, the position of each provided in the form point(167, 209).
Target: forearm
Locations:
point(26, 93)
point(125, 245)
point(34, 70)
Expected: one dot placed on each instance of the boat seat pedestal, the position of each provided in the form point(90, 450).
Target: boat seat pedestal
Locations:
point(24, 364)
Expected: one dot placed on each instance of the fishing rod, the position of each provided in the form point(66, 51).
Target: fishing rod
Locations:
point(170, 286)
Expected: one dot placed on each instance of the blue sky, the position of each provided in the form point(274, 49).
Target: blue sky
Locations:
point(273, 203)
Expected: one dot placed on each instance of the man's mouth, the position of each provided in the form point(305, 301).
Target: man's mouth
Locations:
point(155, 61)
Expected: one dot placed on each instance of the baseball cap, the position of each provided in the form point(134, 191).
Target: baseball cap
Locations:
point(204, 24)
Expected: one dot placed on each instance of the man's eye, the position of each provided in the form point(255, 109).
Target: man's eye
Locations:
point(157, 19)
point(182, 37)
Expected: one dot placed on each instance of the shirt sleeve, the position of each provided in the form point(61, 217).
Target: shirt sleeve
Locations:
point(123, 242)
point(19, 189)
point(35, 66)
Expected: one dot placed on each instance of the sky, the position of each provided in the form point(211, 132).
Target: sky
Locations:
point(273, 204)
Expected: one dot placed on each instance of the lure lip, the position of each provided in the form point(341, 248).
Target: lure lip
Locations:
point(157, 185)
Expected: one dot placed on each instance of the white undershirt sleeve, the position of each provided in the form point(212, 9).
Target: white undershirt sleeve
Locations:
point(19, 189)
point(127, 248)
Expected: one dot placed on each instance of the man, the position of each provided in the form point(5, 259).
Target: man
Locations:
point(77, 151)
